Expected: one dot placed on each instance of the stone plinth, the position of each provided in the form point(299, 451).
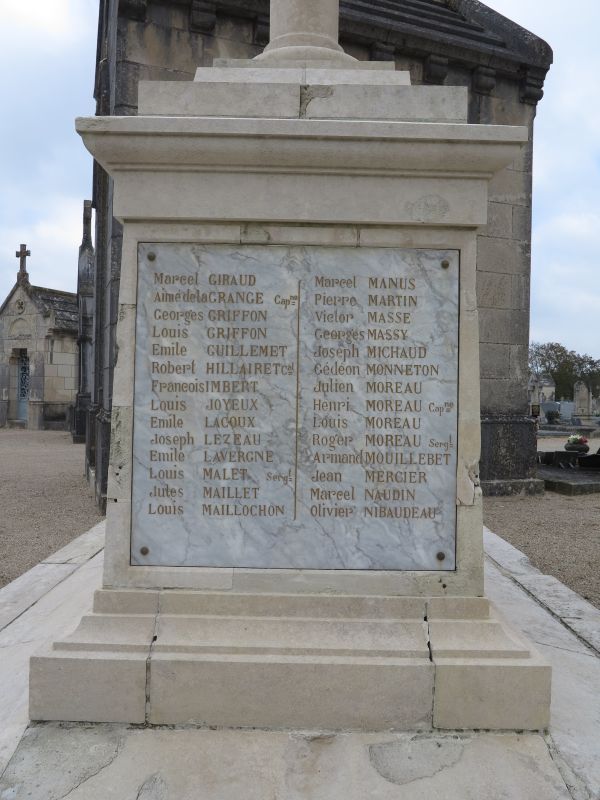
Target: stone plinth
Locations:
point(283, 661)
point(294, 519)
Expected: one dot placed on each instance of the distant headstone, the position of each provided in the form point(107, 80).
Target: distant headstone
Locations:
point(583, 400)
point(567, 409)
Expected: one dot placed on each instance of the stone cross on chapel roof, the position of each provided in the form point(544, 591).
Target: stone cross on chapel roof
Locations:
point(21, 254)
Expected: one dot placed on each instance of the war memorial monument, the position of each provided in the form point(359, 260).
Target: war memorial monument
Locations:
point(294, 531)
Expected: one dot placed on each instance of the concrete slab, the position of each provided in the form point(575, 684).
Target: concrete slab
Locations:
point(47, 616)
point(26, 590)
point(574, 735)
point(569, 482)
point(581, 617)
point(110, 761)
point(80, 549)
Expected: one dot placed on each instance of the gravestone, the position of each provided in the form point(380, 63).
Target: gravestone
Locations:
point(567, 410)
point(294, 531)
point(583, 400)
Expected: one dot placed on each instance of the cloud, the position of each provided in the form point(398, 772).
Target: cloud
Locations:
point(47, 54)
point(581, 227)
point(54, 243)
point(54, 22)
point(565, 289)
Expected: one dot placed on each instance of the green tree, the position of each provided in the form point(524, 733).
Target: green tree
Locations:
point(554, 360)
point(588, 371)
point(565, 367)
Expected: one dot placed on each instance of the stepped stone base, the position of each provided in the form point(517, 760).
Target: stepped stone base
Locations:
point(292, 662)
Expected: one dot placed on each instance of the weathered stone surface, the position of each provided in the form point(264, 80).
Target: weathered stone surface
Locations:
point(326, 693)
point(573, 742)
point(495, 360)
point(502, 255)
point(521, 223)
point(575, 483)
point(80, 549)
point(494, 291)
point(62, 763)
point(576, 668)
point(503, 326)
point(503, 694)
point(511, 186)
point(500, 221)
point(43, 617)
point(72, 686)
point(23, 592)
point(512, 487)
point(510, 438)
point(38, 356)
point(53, 762)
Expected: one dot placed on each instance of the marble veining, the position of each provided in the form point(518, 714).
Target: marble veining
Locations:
point(295, 407)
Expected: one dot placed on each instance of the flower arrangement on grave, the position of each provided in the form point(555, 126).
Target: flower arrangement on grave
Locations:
point(577, 443)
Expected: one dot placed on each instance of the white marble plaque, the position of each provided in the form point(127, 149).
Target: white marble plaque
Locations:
point(295, 407)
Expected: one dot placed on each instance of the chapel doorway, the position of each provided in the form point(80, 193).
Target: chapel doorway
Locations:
point(22, 386)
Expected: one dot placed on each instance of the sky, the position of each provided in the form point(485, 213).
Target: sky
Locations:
point(47, 61)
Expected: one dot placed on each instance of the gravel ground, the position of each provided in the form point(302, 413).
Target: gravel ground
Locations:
point(44, 498)
point(559, 534)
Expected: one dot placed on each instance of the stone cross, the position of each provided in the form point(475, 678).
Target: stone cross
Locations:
point(305, 30)
point(21, 254)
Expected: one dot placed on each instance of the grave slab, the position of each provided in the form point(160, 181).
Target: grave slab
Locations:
point(569, 481)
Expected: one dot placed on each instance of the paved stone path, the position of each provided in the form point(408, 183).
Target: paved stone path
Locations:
point(44, 498)
point(100, 762)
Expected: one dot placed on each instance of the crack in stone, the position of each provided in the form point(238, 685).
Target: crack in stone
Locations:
point(116, 754)
point(565, 649)
point(148, 661)
point(574, 784)
point(310, 93)
point(153, 788)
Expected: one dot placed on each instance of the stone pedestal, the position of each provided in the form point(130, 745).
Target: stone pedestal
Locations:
point(513, 441)
point(267, 576)
point(304, 661)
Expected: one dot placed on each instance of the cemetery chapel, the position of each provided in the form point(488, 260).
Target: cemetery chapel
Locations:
point(38, 354)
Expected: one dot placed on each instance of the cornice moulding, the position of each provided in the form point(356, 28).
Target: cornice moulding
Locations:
point(191, 144)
